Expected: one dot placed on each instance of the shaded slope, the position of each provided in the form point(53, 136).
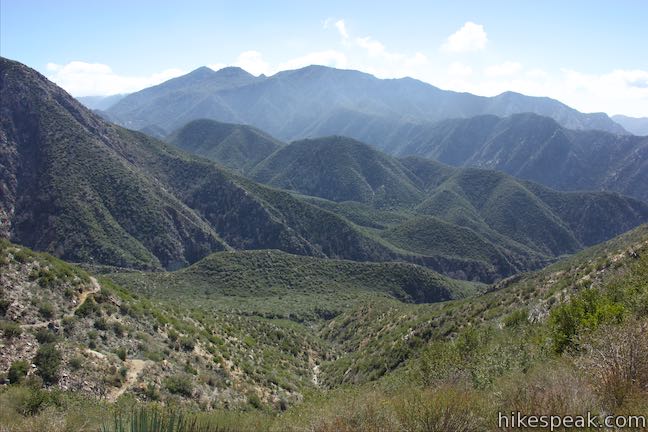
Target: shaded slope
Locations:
point(535, 148)
point(70, 190)
point(235, 146)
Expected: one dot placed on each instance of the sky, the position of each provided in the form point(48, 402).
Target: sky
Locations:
point(590, 55)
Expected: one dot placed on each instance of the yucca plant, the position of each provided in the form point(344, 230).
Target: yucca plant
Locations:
point(147, 419)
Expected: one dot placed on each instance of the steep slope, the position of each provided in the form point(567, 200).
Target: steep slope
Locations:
point(104, 341)
point(339, 169)
point(319, 101)
point(634, 125)
point(235, 146)
point(536, 148)
point(89, 191)
point(70, 188)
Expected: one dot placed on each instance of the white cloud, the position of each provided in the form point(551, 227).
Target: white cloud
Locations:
point(253, 62)
point(507, 68)
point(341, 27)
point(331, 58)
point(90, 79)
point(470, 37)
point(619, 91)
point(373, 47)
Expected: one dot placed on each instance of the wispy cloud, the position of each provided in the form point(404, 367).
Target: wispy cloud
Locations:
point(341, 27)
point(470, 37)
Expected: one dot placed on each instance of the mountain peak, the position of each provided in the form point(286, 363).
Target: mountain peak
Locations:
point(201, 72)
point(233, 71)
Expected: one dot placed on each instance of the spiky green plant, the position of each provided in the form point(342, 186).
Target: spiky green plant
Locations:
point(151, 419)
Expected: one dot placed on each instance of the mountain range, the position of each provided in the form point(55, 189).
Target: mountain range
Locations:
point(533, 147)
point(318, 101)
point(381, 192)
point(89, 191)
point(634, 125)
point(536, 139)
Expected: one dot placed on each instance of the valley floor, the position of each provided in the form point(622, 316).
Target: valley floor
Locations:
point(567, 340)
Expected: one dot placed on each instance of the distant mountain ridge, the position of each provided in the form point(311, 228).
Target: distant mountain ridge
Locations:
point(634, 125)
point(536, 148)
point(318, 101)
point(100, 102)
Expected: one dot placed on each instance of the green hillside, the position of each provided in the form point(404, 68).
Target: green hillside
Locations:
point(339, 169)
point(277, 285)
point(235, 146)
point(104, 341)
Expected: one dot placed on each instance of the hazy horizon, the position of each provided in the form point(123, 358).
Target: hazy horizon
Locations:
point(583, 54)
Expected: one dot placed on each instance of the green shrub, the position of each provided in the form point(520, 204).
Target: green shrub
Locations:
point(46, 310)
point(4, 306)
point(121, 353)
point(118, 328)
point(517, 318)
point(586, 311)
point(179, 384)
point(43, 336)
point(187, 343)
point(10, 329)
point(48, 360)
point(17, 371)
point(254, 401)
point(76, 362)
point(88, 308)
point(101, 324)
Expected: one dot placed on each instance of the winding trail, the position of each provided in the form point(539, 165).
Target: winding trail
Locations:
point(135, 367)
point(83, 296)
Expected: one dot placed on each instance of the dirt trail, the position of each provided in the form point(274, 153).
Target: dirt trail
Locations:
point(313, 358)
point(95, 288)
point(135, 367)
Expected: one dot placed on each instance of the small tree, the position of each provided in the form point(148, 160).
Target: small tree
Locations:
point(48, 360)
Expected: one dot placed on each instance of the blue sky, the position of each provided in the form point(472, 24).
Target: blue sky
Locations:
point(589, 54)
